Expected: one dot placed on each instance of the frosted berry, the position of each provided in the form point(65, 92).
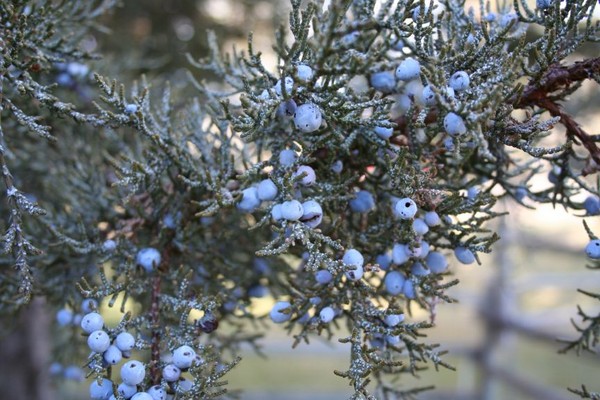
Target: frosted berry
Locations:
point(142, 396)
point(363, 202)
point(308, 118)
point(55, 369)
point(409, 289)
point(267, 190)
point(420, 227)
point(89, 305)
point(405, 208)
point(291, 210)
point(543, 4)
point(418, 269)
point(92, 322)
point(459, 81)
point(384, 81)
point(287, 108)
point(131, 109)
point(171, 373)
point(98, 341)
point(454, 124)
point(384, 260)
point(326, 315)
point(287, 157)
point(393, 282)
point(392, 320)
point(148, 258)
point(432, 219)
point(394, 340)
point(276, 212)
point(157, 393)
point(428, 95)
point(74, 373)
point(323, 277)
point(593, 249)
point(384, 132)
point(464, 255)
point(309, 177)
point(109, 246)
point(312, 214)
point(250, 200)
point(101, 390)
point(133, 373)
point(408, 69)
point(125, 341)
point(304, 73)
point(289, 85)
point(436, 262)
point(185, 385)
point(183, 356)
point(277, 315)
point(399, 254)
point(64, 317)
point(126, 390)
point(353, 257)
point(592, 205)
point(112, 355)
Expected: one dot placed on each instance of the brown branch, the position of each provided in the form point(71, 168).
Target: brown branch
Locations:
point(155, 373)
point(556, 78)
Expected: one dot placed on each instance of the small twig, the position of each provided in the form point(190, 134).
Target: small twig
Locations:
point(155, 324)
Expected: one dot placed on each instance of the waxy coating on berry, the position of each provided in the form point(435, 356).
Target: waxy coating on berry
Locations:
point(408, 69)
point(593, 249)
point(250, 200)
point(65, 316)
point(171, 373)
point(420, 226)
point(384, 260)
point(112, 355)
point(125, 341)
point(464, 255)
point(460, 81)
point(363, 202)
point(126, 390)
point(148, 258)
point(436, 262)
point(287, 157)
point(384, 81)
point(183, 357)
point(384, 132)
point(323, 277)
point(326, 315)
point(432, 219)
point(304, 73)
point(454, 124)
point(394, 282)
point(405, 208)
point(392, 320)
point(133, 372)
point(312, 214)
point(292, 210)
point(101, 390)
point(157, 393)
point(267, 190)
point(289, 86)
point(418, 269)
point(142, 396)
point(399, 254)
point(308, 174)
point(98, 341)
point(92, 322)
point(277, 315)
point(409, 289)
point(308, 118)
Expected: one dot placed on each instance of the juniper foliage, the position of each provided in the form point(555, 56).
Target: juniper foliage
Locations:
point(143, 167)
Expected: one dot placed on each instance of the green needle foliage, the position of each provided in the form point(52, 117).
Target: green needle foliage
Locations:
point(142, 167)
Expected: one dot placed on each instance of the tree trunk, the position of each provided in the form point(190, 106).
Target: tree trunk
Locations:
point(25, 355)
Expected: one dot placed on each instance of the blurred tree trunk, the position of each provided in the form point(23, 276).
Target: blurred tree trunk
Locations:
point(25, 356)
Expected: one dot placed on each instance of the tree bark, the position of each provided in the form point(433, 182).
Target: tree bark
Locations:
point(25, 354)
